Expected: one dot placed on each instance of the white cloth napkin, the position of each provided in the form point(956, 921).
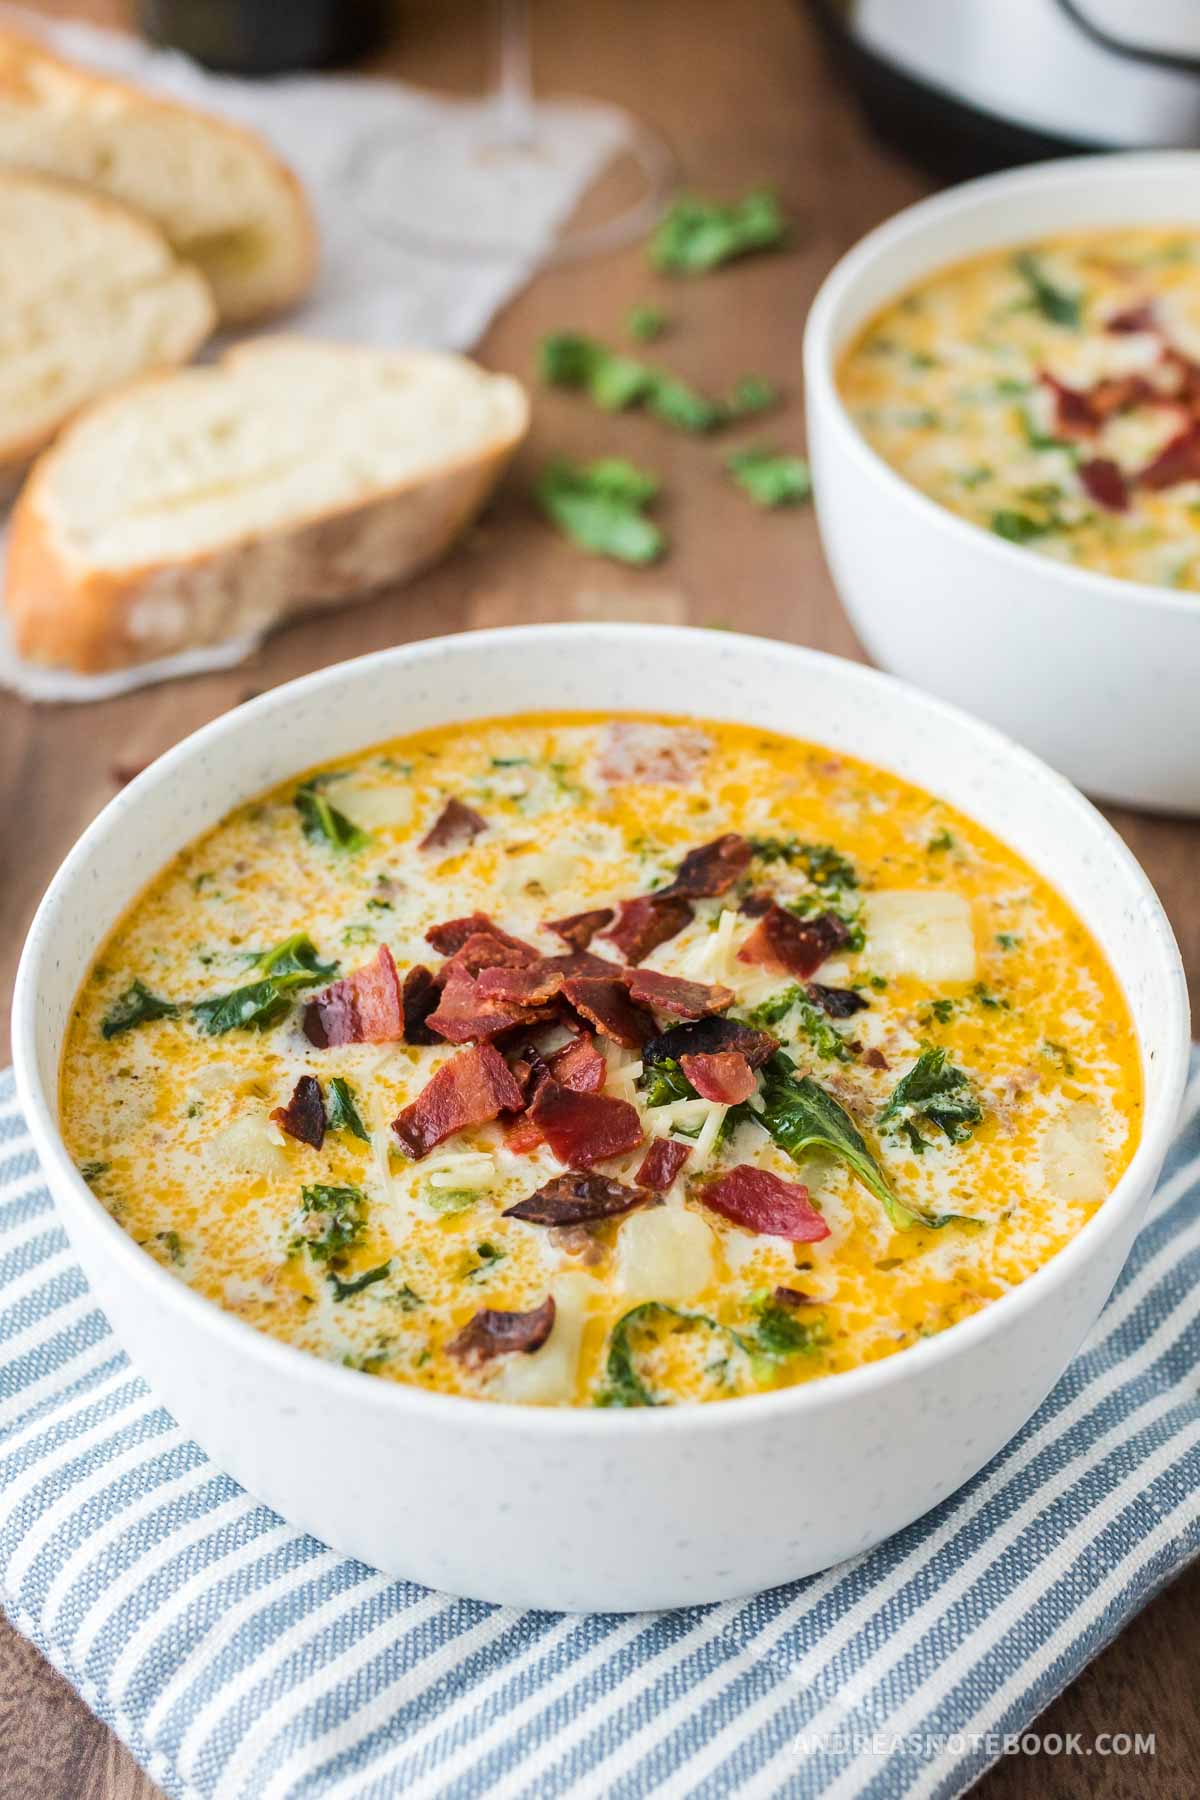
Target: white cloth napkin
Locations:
point(370, 290)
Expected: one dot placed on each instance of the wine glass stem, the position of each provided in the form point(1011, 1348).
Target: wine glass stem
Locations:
point(513, 94)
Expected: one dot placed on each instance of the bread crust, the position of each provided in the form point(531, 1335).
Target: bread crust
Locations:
point(90, 620)
point(17, 452)
point(19, 54)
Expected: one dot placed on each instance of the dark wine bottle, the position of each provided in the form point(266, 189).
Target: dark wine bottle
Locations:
point(264, 37)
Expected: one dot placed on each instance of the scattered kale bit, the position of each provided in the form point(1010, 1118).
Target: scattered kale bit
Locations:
point(993, 1002)
point(665, 1083)
point(343, 1114)
point(942, 840)
point(973, 478)
point(623, 1385)
point(770, 477)
point(645, 323)
point(599, 506)
point(1054, 304)
point(779, 1333)
point(942, 1010)
point(1007, 940)
point(333, 1220)
point(136, 1006)
point(322, 822)
point(92, 1170)
point(342, 1290)
point(616, 382)
point(488, 1256)
point(752, 394)
point(1018, 527)
point(172, 1243)
point(291, 965)
point(1037, 439)
point(934, 1090)
point(800, 1115)
point(1061, 1055)
point(406, 1299)
point(827, 1043)
point(698, 235)
point(824, 866)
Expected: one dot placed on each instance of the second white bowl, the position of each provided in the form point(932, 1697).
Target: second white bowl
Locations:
point(1098, 675)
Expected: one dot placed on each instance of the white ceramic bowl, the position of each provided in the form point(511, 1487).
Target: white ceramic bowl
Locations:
point(598, 1509)
point(1099, 676)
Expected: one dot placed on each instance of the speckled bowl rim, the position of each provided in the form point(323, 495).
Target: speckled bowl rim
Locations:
point(822, 349)
point(395, 1399)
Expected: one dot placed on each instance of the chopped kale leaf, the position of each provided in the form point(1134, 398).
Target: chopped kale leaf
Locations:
point(698, 235)
point(321, 820)
point(136, 1006)
point(343, 1290)
point(599, 506)
point(332, 1220)
point(1053, 302)
point(938, 1092)
point(771, 477)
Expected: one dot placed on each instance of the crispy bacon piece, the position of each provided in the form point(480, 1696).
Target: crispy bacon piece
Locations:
point(470, 1089)
point(756, 904)
point(1081, 411)
point(1179, 460)
point(494, 1333)
point(453, 935)
point(1141, 317)
point(800, 946)
point(363, 1008)
point(604, 1002)
point(706, 1036)
point(635, 750)
point(580, 928)
point(532, 984)
point(786, 1296)
point(580, 1198)
point(583, 1129)
point(455, 827)
point(522, 1136)
point(671, 994)
point(464, 1014)
point(711, 869)
point(645, 923)
point(662, 1163)
point(722, 1075)
point(484, 951)
point(1104, 482)
point(759, 1201)
point(839, 1003)
point(875, 1059)
point(418, 997)
point(304, 1115)
point(579, 1065)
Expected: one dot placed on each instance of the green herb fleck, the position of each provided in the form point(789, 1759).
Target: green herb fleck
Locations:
point(290, 965)
point(645, 323)
point(943, 840)
point(321, 820)
point(343, 1114)
point(172, 1243)
point(752, 394)
point(333, 1219)
point(599, 506)
point(92, 1170)
point(938, 1092)
point(1007, 940)
point(136, 1006)
point(698, 235)
point(1053, 302)
point(770, 477)
point(780, 1334)
point(616, 382)
point(623, 1385)
point(342, 1290)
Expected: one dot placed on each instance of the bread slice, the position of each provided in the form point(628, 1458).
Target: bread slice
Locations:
point(222, 197)
point(90, 295)
point(192, 507)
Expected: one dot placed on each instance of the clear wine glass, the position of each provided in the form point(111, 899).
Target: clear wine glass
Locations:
point(469, 183)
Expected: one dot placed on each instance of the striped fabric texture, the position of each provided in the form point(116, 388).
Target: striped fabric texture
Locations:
point(238, 1658)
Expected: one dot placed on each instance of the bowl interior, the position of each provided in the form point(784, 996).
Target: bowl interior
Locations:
point(619, 668)
point(1075, 195)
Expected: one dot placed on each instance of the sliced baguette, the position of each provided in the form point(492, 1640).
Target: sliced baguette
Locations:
point(91, 295)
point(222, 197)
point(196, 506)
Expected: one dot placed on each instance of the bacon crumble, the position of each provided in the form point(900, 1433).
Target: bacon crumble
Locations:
point(662, 1163)
point(304, 1115)
point(672, 994)
point(711, 869)
point(494, 1333)
point(838, 1003)
point(799, 946)
point(646, 922)
point(721, 1075)
point(706, 1036)
point(532, 984)
point(580, 928)
point(605, 1003)
point(363, 1008)
point(582, 1129)
point(455, 827)
point(418, 998)
point(761, 1202)
point(471, 1089)
point(580, 1198)
point(464, 1014)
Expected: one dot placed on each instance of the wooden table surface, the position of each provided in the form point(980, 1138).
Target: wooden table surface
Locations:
point(743, 94)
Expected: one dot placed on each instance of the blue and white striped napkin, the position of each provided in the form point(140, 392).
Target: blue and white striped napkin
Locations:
point(237, 1657)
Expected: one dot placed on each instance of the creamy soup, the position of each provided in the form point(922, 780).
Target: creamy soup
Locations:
point(1051, 394)
point(588, 1061)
